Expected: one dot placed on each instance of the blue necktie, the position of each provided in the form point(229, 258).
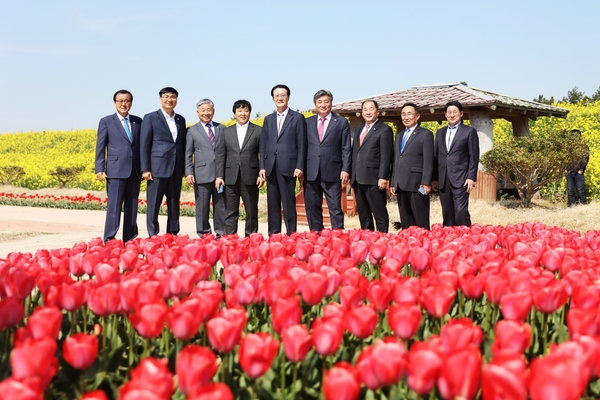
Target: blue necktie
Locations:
point(404, 139)
point(127, 130)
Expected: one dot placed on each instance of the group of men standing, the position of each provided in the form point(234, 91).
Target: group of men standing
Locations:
point(224, 164)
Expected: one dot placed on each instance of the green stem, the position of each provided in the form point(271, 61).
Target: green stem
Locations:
point(461, 304)
point(253, 396)
point(294, 381)
point(282, 361)
point(104, 334)
point(545, 332)
point(82, 382)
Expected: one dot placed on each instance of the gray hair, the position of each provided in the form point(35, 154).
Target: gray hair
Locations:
point(322, 93)
point(205, 101)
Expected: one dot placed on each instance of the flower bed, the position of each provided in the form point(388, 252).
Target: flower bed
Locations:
point(454, 313)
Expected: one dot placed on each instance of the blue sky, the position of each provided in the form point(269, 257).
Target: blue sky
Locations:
point(61, 61)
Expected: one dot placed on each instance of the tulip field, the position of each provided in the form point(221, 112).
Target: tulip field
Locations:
point(485, 312)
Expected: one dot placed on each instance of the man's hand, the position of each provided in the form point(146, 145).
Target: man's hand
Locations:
point(100, 176)
point(298, 173)
point(218, 182)
point(260, 182)
point(470, 184)
point(427, 189)
point(190, 179)
point(434, 186)
point(147, 175)
point(345, 178)
point(383, 184)
point(580, 172)
point(263, 174)
point(393, 190)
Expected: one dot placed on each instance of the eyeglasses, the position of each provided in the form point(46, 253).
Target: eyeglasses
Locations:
point(168, 97)
point(123, 101)
point(407, 115)
point(280, 96)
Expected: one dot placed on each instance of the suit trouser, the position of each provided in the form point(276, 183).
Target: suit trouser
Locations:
point(575, 185)
point(313, 202)
point(125, 193)
point(371, 203)
point(281, 190)
point(249, 195)
point(455, 205)
point(155, 191)
point(204, 192)
point(414, 209)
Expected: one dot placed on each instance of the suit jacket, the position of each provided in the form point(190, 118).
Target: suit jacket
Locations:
point(413, 167)
point(333, 154)
point(232, 160)
point(372, 160)
point(460, 162)
point(115, 154)
point(200, 152)
point(288, 149)
point(159, 153)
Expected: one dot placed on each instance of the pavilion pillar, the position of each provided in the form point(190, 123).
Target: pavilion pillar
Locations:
point(520, 125)
point(485, 189)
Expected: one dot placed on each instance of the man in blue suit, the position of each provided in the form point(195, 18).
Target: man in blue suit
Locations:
point(282, 159)
point(162, 157)
point(118, 160)
point(327, 163)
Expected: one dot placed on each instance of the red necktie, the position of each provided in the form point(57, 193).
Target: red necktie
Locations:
point(321, 129)
point(364, 133)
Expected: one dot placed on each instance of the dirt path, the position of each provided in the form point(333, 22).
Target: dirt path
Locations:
point(28, 229)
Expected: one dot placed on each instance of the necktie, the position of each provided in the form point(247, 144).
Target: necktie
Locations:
point(279, 123)
point(404, 139)
point(449, 137)
point(127, 130)
point(364, 133)
point(211, 135)
point(321, 129)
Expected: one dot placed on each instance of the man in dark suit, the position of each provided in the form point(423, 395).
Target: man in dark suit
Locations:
point(201, 145)
point(372, 151)
point(413, 169)
point(282, 159)
point(118, 160)
point(456, 157)
point(237, 169)
point(162, 155)
point(327, 163)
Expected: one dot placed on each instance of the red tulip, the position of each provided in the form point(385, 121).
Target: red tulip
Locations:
point(382, 364)
point(225, 330)
point(183, 318)
point(35, 359)
point(419, 259)
point(80, 350)
point(549, 297)
point(458, 334)
point(152, 375)
point(196, 366)
point(71, 296)
point(504, 378)
point(380, 295)
point(149, 319)
point(150, 291)
point(582, 322)
point(246, 290)
point(341, 383)
point(333, 280)
point(459, 375)
point(136, 390)
point(11, 388)
point(212, 391)
point(558, 377)
point(516, 305)
point(350, 296)
point(436, 300)
point(275, 288)
point(181, 279)
point(45, 322)
point(11, 312)
point(423, 370)
point(327, 335)
point(377, 251)
point(286, 312)
point(472, 286)
point(106, 273)
point(404, 319)
point(256, 354)
point(313, 287)
point(297, 342)
point(494, 288)
point(19, 283)
point(105, 300)
point(361, 321)
point(359, 251)
point(210, 300)
point(94, 395)
point(407, 290)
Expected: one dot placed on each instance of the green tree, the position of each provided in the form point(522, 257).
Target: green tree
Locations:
point(542, 99)
point(533, 161)
point(574, 96)
point(596, 95)
point(65, 175)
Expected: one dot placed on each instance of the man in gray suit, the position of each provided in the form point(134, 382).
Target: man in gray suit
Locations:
point(237, 168)
point(413, 169)
point(118, 160)
point(202, 141)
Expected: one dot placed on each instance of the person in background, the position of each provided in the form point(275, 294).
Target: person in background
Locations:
point(237, 164)
point(576, 178)
point(118, 161)
point(201, 145)
point(162, 158)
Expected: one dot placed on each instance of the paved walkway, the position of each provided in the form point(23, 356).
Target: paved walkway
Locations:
point(28, 229)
